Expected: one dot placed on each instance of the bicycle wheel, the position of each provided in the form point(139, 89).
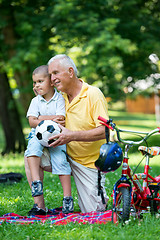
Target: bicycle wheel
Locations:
point(155, 206)
point(122, 207)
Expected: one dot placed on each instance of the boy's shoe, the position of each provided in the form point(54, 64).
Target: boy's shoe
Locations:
point(67, 205)
point(37, 188)
point(39, 211)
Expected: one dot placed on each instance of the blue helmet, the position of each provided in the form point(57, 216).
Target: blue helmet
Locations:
point(110, 157)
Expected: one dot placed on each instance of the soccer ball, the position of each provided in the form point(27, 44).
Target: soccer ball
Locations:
point(46, 129)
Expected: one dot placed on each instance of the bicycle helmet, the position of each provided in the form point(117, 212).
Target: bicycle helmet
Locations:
point(110, 158)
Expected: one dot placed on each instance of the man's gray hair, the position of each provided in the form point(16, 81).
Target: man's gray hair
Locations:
point(66, 60)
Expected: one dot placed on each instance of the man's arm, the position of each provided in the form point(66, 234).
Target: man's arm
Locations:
point(67, 136)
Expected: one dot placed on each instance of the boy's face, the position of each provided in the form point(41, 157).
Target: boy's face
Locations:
point(42, 84)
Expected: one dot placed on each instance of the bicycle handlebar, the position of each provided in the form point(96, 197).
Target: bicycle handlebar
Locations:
point(109, 124)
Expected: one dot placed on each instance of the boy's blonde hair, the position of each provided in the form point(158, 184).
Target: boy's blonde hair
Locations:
point(43, 69)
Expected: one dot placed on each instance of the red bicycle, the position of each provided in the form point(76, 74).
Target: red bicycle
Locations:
point(145, 193)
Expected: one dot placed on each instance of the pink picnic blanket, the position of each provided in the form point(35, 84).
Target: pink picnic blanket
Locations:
point(60, 218)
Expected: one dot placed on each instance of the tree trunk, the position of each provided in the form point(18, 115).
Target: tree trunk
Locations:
point(15, 141)
point(10, 40)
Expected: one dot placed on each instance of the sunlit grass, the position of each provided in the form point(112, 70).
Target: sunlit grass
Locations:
point(134, 121)
point(17, 197)
point(11, 162)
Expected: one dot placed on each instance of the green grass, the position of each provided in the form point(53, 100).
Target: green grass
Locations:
point(17, 197)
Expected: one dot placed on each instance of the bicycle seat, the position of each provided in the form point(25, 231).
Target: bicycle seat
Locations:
point(152, 151)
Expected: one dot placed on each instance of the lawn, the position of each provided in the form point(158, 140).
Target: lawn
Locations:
point(17, 197)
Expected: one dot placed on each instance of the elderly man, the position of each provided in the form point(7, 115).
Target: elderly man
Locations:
point(82, 133)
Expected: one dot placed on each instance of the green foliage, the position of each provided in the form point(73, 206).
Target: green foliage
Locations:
point(114, 36)
point(110, 40)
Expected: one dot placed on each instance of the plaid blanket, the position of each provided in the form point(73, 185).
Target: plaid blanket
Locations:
point(59, 218)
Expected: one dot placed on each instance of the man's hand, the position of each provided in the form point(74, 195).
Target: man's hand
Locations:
point(63, 138)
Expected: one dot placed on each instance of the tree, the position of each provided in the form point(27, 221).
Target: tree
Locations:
point(19, 46)
point(10, 118)
point(108, 39)
point(113, 39)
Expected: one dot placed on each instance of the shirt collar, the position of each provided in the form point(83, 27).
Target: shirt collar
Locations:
point(54, 97)
point(83, 92)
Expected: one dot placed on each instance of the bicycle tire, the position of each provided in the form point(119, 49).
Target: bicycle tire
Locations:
point(155, 205)
point(121, 212)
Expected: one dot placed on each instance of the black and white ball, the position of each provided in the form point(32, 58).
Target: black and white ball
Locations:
point(46, 129)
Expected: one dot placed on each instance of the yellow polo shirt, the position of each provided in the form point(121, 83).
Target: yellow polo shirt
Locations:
point(82, 114)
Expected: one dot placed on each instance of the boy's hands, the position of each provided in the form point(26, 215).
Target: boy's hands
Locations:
point(60, 120)
point(35, 92)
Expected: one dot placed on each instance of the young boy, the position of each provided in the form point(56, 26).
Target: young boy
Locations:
point(47, 105)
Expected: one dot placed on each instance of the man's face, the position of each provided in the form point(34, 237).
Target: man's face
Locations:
point(60, 75)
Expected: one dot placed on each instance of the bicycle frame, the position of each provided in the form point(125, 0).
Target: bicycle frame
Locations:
point(123, 181)
point(142, 191)
point(141, 195)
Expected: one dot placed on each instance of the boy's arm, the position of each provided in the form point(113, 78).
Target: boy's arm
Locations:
point(60, 119)
point(34, 121)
